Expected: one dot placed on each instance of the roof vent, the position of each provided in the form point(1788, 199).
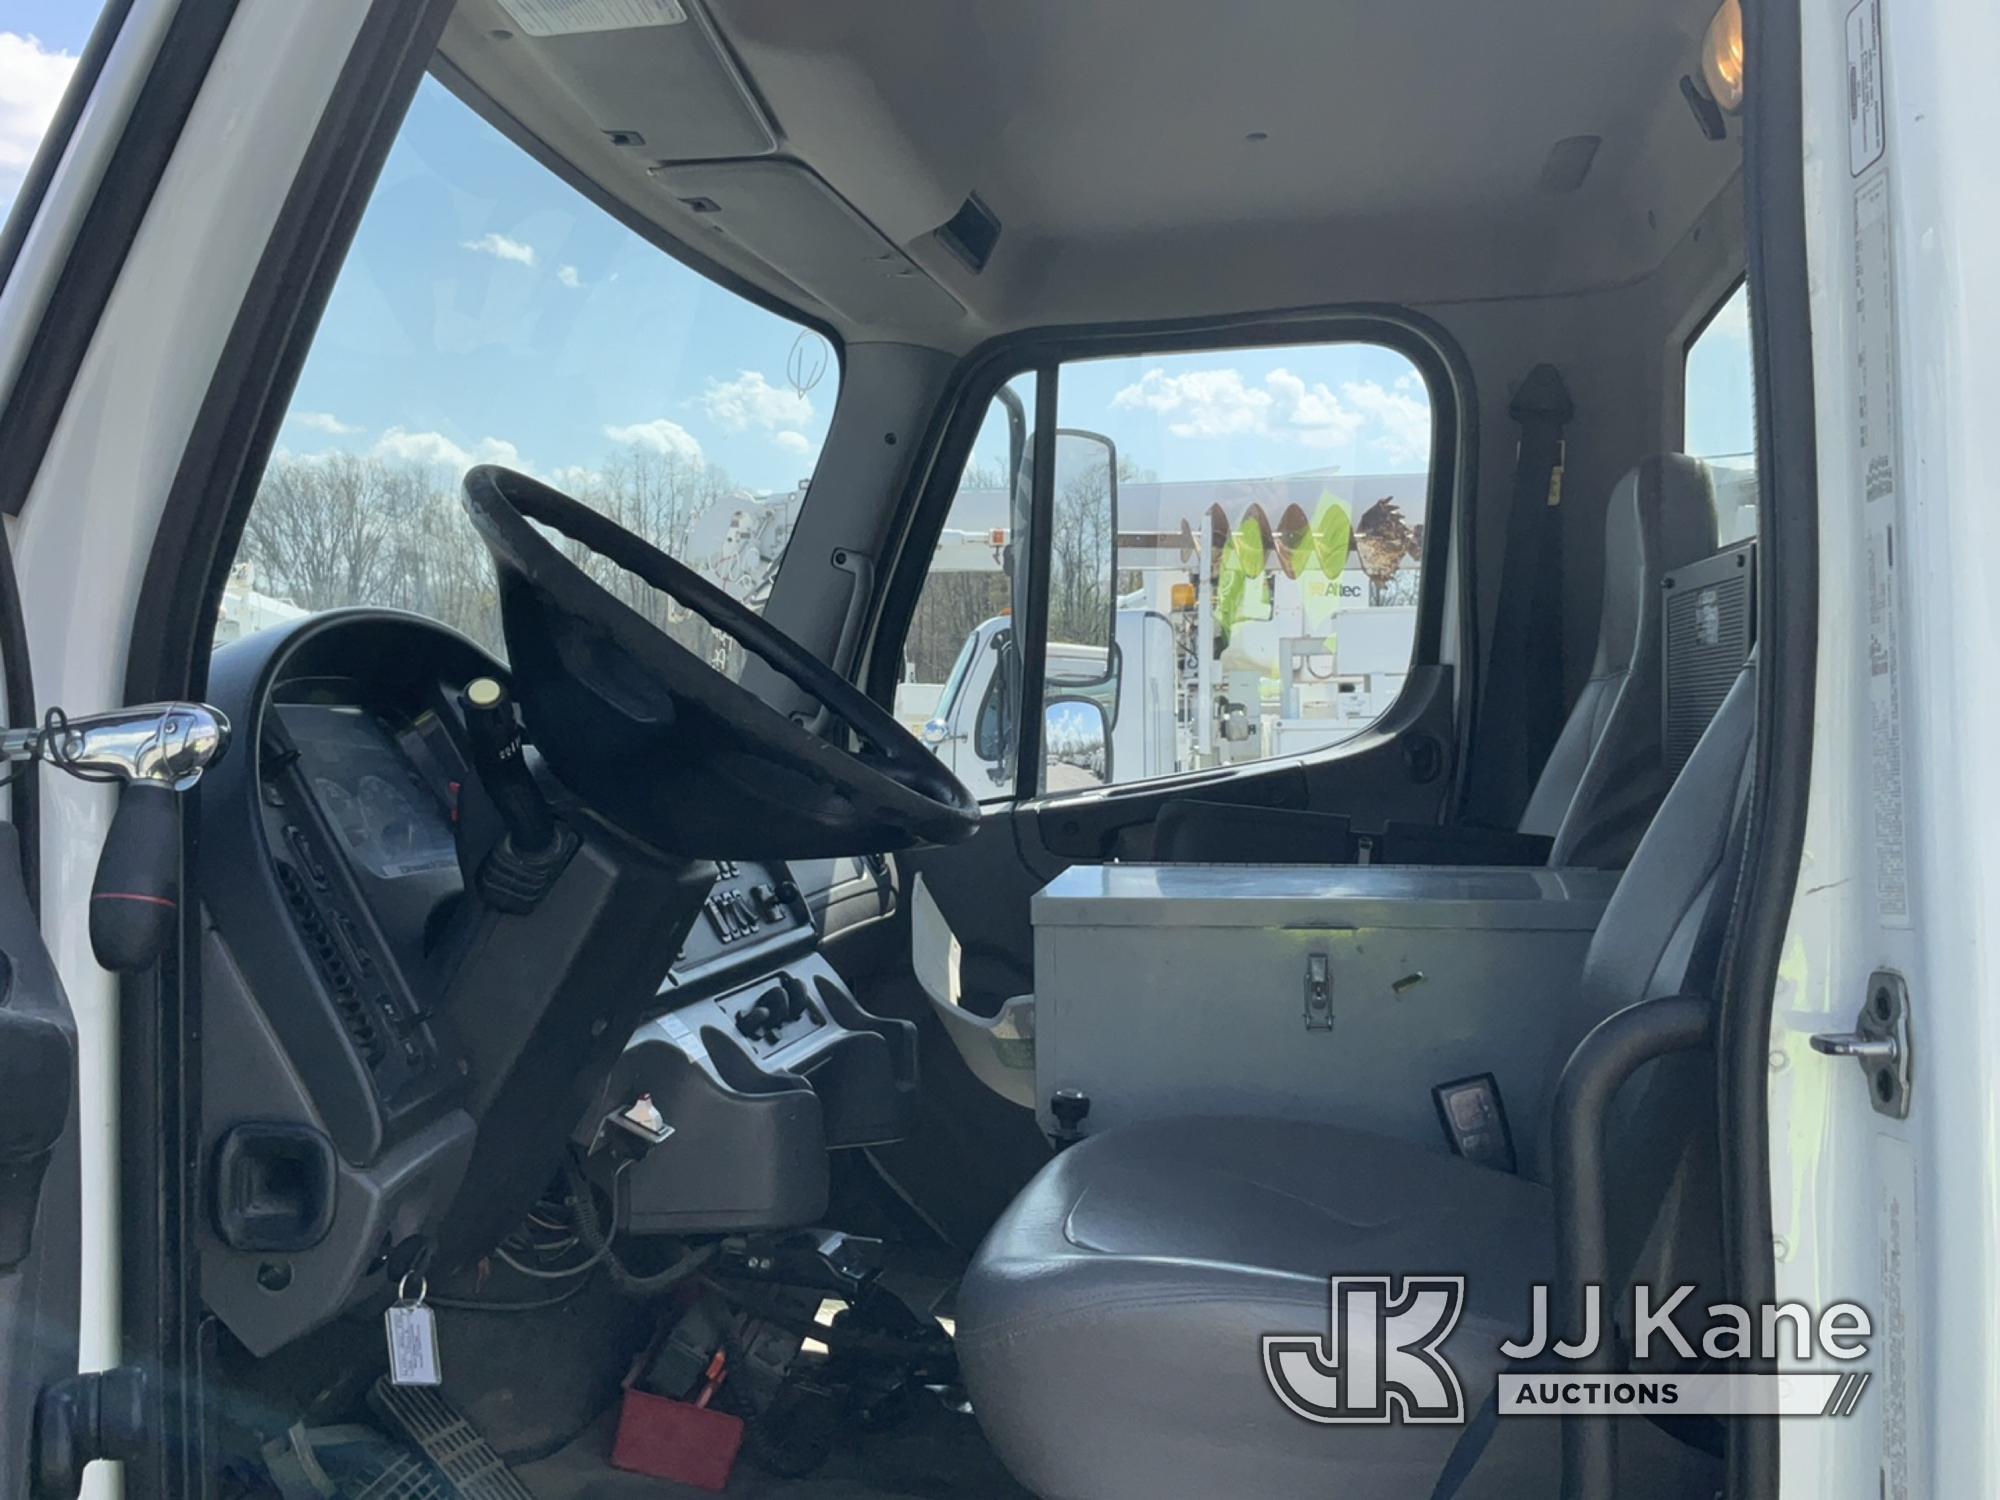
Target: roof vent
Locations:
point(971, 233)
point(1568, 163)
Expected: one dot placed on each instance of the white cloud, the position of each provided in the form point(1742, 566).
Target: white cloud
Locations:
point(1220, 403)
point(436, 448)
point(1402, 421)
point(323, 421)
point(568, 276)
point(501, 248)
point(32, 80)
point(1205, 403)
point(752, 401)
point(662, 435)
point(792, 442)
point(1313, 413)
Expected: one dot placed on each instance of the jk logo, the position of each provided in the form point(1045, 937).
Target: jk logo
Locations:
point(1383, 1362)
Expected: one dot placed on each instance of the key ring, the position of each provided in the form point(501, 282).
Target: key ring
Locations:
point(403, 1293)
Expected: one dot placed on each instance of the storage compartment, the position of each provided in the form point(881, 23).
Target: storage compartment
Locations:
point(1335, 994)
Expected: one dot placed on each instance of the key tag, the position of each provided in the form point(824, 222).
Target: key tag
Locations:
point(413, 1342)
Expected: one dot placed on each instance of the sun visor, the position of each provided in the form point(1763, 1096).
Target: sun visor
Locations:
point(787, 216)
point(663, 79)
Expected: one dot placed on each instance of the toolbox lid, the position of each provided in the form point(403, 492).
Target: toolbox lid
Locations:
point(1277, 896)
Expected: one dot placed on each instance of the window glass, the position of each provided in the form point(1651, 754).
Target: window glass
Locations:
point(1237, 545)
point(1720, 414)
point(959, 689)
point(39, 44)
point(489, 313)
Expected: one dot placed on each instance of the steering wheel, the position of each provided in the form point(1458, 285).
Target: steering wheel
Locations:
point(661, 744)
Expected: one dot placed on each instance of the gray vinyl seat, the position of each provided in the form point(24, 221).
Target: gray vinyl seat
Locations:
point(1606, 775)
point(1110, 1325)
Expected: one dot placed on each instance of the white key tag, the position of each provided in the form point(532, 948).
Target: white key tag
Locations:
point(413, 1340)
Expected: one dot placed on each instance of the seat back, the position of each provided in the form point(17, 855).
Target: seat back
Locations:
point(1605, 776)
point(1661, 935)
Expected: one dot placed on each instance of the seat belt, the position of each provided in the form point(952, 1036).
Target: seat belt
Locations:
point(1521, 699)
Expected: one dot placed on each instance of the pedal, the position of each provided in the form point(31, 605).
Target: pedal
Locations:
point(431, 1424)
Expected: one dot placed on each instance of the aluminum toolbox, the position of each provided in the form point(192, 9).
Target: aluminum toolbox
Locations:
point(1189, 989)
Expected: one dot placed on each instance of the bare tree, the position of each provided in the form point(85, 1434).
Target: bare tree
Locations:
point(337, 529)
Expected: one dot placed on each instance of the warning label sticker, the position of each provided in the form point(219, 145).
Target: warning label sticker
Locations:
point(1864, 86)
point(569, 17)
point(1875, 445)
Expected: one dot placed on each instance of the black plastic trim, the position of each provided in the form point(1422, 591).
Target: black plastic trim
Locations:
point(1609, 1055)
point(1787, 633)
point(104, 239)
point(1031, 647)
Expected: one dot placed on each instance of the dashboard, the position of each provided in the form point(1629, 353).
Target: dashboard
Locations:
point(393, 1063)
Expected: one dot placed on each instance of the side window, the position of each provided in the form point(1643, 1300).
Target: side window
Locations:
point(1719, 413)
point(959, 688)
point(489, 313)
point(1237, 543)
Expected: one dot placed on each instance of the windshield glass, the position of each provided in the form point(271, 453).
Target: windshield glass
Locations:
point(489, 313)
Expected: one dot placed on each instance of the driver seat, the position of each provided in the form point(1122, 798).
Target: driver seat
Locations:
point(1110, 1326)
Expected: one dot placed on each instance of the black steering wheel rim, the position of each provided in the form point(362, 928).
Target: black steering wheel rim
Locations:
point(897, 796)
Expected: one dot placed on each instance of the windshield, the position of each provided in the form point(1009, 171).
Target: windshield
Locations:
point(489, 313)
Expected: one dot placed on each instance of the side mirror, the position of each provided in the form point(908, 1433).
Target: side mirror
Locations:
point(1083, 560)
point(1076, 741)
point(936, 732)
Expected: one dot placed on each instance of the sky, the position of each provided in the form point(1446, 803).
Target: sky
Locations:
point(487, 312)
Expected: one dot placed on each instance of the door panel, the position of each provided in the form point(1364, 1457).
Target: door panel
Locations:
point(1398, 772)
point(38, 1176)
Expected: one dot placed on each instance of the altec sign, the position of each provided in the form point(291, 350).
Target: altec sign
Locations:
point(1382, 1358)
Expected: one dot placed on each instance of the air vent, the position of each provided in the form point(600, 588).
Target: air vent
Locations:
point(1710, 623)
point(971, 233)
point(1568, 163)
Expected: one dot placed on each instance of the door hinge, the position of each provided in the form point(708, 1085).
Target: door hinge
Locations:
point(99, 1414)
point(1880, 1042)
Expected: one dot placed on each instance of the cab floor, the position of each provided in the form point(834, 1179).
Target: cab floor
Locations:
point(932, 1455)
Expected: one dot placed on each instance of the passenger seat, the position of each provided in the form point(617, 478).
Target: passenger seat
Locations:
point(1606, 775)
point(1110, 1326)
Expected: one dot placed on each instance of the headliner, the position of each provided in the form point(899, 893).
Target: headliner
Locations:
point(1402, 159)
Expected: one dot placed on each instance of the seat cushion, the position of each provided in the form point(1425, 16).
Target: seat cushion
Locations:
point(1110, 1327)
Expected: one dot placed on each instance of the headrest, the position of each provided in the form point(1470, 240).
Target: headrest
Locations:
point(1661, 517)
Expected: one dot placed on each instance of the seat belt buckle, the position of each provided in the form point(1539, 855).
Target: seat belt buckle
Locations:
point(1475, 1121)
point(1556, 472)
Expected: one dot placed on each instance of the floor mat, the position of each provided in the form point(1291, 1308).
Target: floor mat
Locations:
point(935, 1454)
